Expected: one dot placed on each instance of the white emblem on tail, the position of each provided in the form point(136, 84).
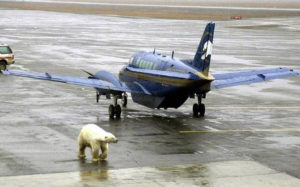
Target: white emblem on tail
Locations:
point(207, 49)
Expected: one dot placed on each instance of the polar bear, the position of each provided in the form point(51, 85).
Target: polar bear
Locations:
point(94, 137)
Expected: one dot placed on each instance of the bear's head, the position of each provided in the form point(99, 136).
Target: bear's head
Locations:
point(110, 138)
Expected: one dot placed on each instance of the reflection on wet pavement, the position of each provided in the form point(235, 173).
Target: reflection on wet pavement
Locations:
point(233, 173)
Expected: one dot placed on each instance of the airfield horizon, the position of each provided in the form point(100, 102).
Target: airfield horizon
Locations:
point(188, 10)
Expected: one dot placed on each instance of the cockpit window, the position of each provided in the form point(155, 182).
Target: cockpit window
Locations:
point(145, 64)
point(5, 50)
point(131, 60)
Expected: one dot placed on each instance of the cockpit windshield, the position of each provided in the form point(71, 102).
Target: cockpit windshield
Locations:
point(131, 60)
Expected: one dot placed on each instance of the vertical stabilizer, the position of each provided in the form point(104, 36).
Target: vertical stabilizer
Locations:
point(203, 54)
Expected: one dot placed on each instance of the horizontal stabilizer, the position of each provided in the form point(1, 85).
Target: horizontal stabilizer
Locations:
point(223, 80)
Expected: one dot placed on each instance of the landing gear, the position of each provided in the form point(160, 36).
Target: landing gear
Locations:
point(111, 111)
point(124, 100)
point(97, 97)
point(115, 110)
point(196, 110)
point(118, 111)
point(199, 109)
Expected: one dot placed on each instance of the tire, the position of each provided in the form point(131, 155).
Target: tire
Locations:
point(2, 66)
point(202, 110)
point(111, 111)
point(118, 111)
point(196, 110)
point(124, 101)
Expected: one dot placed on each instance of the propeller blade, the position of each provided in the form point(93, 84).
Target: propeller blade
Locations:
point(88, 73)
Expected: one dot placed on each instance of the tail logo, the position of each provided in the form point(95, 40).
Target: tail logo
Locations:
point(207, 49)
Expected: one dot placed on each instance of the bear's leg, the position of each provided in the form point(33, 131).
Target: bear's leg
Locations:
point(104, 149)
point(82, 146)
point(81, 152)
point(95, 151)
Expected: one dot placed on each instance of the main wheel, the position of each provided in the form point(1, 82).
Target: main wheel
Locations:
point(118, 111)
point(124, 101)
point(202, 109)
point(111, 111)
point(196, 110)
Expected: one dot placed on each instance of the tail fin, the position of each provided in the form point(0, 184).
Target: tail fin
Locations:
point(203, 54)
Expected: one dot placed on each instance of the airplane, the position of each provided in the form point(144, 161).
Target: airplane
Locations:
point(158, 81)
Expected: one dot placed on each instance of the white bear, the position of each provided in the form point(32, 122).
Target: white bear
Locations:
point(94, 137)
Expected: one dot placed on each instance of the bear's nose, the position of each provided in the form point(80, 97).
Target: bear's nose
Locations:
point(116, 141)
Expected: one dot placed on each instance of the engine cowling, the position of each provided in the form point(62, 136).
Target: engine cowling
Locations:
point(106, 76)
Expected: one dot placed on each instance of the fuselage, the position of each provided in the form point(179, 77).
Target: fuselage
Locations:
point(167, 81)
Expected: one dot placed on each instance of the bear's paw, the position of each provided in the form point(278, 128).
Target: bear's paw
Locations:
point(95, 159)
point(82, 156)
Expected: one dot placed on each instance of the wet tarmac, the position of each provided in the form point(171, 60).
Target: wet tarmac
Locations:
point(40, 120)
point(242, 173)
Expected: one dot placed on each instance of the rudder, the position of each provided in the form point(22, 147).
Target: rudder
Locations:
point(203, 53)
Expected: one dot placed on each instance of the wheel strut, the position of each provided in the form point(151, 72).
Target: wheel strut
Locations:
point(97, 97)
point(124, 100)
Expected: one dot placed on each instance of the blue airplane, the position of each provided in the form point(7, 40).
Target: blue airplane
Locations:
point(159, 81)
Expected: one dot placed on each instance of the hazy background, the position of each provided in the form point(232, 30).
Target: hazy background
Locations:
point(238, 3)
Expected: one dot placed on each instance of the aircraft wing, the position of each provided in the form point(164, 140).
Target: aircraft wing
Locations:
point(223, 80)
point(95, 83)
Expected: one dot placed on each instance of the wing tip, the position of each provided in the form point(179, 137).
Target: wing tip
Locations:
point(297, 71)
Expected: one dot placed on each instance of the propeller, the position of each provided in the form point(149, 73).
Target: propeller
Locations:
point(91, 75)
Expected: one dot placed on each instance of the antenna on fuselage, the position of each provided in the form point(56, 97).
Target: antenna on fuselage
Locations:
point(172, 54)
point(154, 51)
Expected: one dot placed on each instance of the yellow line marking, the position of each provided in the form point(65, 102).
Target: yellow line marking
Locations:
point(241, 130)
point(253, 107)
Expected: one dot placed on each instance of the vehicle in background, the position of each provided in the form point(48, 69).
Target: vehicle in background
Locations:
point(6, 56)
point(236, 17)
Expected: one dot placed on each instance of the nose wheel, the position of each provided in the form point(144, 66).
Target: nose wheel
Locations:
point(199, 108)
point(115, 110)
